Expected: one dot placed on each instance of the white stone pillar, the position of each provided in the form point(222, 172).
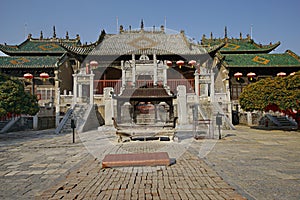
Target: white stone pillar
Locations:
point(133, 70)
point(56, 98)
point(92, 87)
point(109, 106)
point(154, 70)
point(182, 105)
point(165, 82)
point(212, 86)
point(57, 107)
point(74, 90)
point(123, 74)
point(229, 106)
point(196, 83)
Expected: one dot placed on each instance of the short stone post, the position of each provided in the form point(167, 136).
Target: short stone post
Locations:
point(35, 120)
point(249, 118)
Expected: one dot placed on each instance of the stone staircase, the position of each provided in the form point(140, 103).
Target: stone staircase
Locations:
point(273, 122)
point(16, 124)
point(3, 124)
point(283, 121)
point(78, 113)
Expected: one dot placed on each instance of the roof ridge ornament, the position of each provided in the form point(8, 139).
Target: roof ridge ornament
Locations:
point(225, 34)
point(54, 32)
point(67, 35)
point(41, 36)
point(142, 24)
point(121, 29)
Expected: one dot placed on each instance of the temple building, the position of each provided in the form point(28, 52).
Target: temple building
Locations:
point(143, 76)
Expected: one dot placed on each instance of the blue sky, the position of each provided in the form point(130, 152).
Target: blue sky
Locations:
point(272, 20)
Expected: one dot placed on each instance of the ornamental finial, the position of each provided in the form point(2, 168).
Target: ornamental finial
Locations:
point(67, 35)
point(54, 32)
point(41, 36)
point(225, 31)
point(142, 25)
point(121, 28)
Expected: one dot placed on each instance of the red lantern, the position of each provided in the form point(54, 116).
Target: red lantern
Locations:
point(251, 75)
point(192, 63)
point(169, 63)
point(238, 75)
point(44, 76)
point(180, 63)
point(93, 64)
point(281, 74)
point(28, 76)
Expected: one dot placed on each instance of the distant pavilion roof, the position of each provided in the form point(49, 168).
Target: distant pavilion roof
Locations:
point(239, 46)
point(28, 61)
point(287, 59)
point(34, 46)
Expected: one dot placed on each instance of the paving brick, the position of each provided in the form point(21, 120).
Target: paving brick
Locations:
point(81, 175)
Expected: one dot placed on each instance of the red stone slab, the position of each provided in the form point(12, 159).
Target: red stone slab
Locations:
point(136, 159)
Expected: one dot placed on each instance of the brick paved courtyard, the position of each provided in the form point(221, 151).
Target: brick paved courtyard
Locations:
point(246, 163)
point(189, 178)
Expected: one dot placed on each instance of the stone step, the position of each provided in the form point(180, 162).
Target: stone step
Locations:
point(284, 121)
point(2, 124)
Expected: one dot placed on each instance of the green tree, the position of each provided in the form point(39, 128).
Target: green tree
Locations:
point(14, 99)
point(284, 92)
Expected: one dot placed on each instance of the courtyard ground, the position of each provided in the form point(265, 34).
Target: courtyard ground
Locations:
point(246, 163)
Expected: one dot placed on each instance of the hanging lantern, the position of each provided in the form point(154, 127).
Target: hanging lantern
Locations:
point(94, 64)
point(169, 63)
point(44, 76)
point(251, 76)
point(238, 75)
point(180, 63)
point(192, 63)
point(28, 76)
point(281, 74)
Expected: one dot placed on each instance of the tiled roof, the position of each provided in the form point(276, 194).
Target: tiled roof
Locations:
point(244, 45)
point(28, 61)
point(38, 46)
point(80, 50)
point(147, 43)
point(287, 59)
point(140, 93)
